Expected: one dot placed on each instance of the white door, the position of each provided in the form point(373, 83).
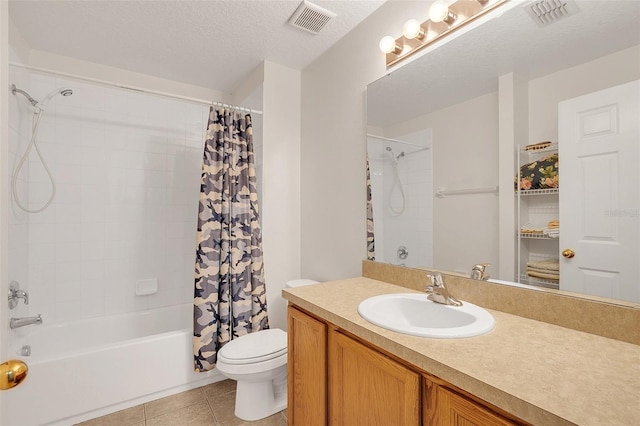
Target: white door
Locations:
point(599, 139)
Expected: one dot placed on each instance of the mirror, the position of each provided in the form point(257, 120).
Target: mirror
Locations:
point(446, 137)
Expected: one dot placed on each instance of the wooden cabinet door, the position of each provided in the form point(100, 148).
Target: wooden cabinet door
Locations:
point(367, 388)
point(307, 370)
point(456, 410)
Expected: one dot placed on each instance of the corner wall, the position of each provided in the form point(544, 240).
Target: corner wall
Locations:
point(333, 174)
point(281, 177)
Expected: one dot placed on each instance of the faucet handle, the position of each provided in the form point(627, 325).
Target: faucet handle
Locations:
point(15, 294)
point(436, 280)
point(480, 266)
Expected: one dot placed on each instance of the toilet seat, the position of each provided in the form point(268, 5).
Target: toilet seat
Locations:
point(254, 347)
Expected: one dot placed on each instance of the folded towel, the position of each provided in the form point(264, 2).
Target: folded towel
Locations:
point(550, 277)
point(531, 229)
point(548, 265)
point(542, 271)
point(552, 233)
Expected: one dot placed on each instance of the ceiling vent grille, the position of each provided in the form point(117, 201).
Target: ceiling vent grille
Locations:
point(546, 12)
point(310, 17)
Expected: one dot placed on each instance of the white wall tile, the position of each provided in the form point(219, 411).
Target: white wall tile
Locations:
point(127, 171)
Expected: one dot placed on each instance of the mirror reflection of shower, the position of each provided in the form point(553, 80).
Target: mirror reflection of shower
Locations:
point(38, 112)
point(402, 195)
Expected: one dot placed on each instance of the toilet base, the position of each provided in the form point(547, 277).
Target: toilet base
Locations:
point(257, 400)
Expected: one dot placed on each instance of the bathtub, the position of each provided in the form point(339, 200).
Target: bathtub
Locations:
point(85, 369)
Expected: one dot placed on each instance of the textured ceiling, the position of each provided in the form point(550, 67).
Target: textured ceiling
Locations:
point(470, 65)
point(212, 43)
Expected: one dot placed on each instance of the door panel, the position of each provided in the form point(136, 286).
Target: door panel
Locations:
point(599, 138)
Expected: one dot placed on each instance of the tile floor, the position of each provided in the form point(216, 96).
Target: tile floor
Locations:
point(210, 405)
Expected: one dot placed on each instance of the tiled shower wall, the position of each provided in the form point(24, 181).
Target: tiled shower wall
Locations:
point(127, 171)
point(413, 228)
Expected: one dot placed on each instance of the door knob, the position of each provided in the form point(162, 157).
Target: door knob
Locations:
point(12, 373)
point(568, 253)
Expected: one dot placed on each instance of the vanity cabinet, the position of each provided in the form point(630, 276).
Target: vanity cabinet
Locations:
point(336, 379)
point(369, 388)
point(306, 370)
point(445, 407)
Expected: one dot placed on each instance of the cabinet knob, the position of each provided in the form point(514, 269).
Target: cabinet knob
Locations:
point(568, 253)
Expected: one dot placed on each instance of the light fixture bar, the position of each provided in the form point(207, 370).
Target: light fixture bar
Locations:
point(458, 15)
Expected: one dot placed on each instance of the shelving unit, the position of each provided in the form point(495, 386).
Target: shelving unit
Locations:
point(537, 207)
point(525, 279)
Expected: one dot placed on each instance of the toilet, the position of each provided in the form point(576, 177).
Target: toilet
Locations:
point(258, 362)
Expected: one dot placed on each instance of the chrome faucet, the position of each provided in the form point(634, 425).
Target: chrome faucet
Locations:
point(16, 294)
point(478, 272)
point(21, 322)
point(438, 293)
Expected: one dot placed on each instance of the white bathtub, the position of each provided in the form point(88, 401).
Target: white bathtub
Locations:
point(84, 369)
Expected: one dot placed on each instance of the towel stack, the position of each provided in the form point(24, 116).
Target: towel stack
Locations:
point(553, 228)
point(532, 229)
point(545, 269)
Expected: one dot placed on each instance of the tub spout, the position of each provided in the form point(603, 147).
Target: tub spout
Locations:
point(21, 322)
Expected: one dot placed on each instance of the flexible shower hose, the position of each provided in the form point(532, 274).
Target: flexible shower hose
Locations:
point(397, 182)
point(35, 124)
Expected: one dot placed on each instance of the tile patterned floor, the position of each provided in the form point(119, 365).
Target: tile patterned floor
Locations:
point(210, 405)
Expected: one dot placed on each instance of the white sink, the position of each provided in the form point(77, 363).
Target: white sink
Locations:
point(413, 313)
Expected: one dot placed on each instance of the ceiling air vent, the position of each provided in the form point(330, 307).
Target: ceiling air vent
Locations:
point(546, 12)
point(310, 17)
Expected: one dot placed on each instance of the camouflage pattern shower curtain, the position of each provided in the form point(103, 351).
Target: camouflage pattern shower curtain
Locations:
point(371, 243)
point(230, 298)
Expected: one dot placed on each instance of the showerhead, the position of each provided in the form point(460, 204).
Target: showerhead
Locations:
point(64, 91)
point(393, 155)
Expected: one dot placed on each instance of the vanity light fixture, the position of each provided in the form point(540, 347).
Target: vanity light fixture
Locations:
point(445, 17)
point(388, 45)
point(412, 29)
point(440, 12)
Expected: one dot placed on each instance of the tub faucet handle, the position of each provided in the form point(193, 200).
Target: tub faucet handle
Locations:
point(16, 294)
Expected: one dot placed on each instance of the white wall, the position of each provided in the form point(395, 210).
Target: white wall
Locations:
point(545, 92)
point(333, 173)
point(465, 152)
point(281, 174)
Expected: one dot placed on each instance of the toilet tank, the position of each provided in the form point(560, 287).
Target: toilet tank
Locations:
point(300, 283)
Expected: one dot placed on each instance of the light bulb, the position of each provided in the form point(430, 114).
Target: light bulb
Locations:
point(412, 29)
point(439, 11)
point(388, 44)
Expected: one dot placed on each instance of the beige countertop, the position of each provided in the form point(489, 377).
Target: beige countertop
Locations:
point(539, 372)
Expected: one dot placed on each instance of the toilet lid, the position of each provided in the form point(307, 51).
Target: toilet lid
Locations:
point(255, 347)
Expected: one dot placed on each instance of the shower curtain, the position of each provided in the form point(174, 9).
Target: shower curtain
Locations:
point(229, 298)
point(371, 243)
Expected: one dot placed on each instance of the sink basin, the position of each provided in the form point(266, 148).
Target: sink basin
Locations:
point(413, 313)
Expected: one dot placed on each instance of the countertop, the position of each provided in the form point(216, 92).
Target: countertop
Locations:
point(539, 372)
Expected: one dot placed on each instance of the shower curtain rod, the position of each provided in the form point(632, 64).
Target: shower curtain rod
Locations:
point(137, 89)
point(395, 140)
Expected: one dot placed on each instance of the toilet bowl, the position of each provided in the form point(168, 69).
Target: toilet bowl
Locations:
point(258, 362)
